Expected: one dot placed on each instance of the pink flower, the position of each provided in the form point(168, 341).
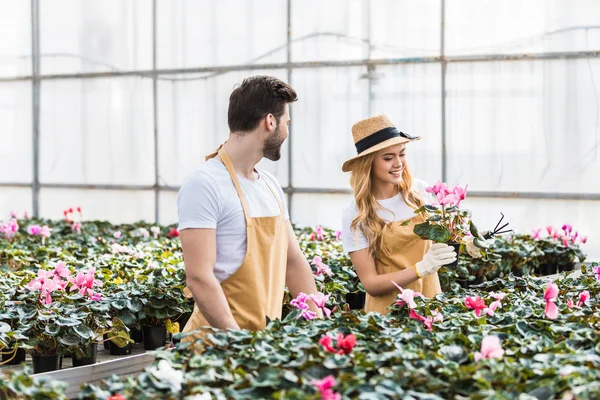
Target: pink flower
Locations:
point(117, 234)
point(60, 270)
point(567, 228)
point(583, 239)
point(324, 386)
point(338, 235)
point(300, 301)
point(584, 297)
point(549, 229)
point(535, 234)
point(406, 296)
point(10, 228)
point(439, 187)
point(173, 233)
point(76, 227)
point(447, 198)
point(34, 230)
point(155, 231)
point(428, 322)
point(144, 232)
point(597, 272)
point(320, 236)
point(565, 241)
point(570, 303)
point(550, 295)
point(312, 237)
point(460, 194)
point(437, 316)
point(475, 303)
point(320, 299)
point(492, 308)
point(498, 296)
point(321, 268)
point(326, 341)
point(308, 315)
point(490, 348)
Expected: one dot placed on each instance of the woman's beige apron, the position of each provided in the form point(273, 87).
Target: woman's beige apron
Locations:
point(405, 250)
point(255, 291)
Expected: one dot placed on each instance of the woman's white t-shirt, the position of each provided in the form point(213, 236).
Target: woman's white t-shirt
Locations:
point(394, 209)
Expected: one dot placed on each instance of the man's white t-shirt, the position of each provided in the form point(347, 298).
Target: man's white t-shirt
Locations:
point(208, 199)
point(394, 209)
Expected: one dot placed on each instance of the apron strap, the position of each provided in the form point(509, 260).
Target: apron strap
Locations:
point(229, 165)
point(281, 210)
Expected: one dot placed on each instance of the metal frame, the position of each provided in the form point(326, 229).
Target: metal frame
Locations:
point(155, 74)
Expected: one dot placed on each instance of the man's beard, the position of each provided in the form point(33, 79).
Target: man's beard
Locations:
point(272, 148)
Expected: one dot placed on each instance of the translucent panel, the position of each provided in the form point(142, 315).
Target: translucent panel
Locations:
point(15, 132)
point(97, 131)
point(524, 126)
point(330, 101)
point(527, 214)
point(319, 209)
point(329, 30)
point(192, 122)
point(220, 32)
point(404, 28)
point(168, 207)
point(95, 35)
point(18, 200)
point(15, 31)
point(515, 26)
point(116, 206)
point(410, 95)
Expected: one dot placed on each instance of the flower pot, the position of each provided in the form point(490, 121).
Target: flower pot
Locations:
point(457, 250)
point(45, 363)
point(154, 337)
point(548, 269)
point(88, 359)
point(105, 337)
point(137, 335)
point(115, 350)
point(566, 267)
point(356, 301)
point(18, 358)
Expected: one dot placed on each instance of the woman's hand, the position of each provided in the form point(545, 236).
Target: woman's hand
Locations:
point(438, 255)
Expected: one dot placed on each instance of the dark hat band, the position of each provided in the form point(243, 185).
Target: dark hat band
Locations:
point(378, 137)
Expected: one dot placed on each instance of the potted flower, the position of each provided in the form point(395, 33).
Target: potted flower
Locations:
point(559, 249)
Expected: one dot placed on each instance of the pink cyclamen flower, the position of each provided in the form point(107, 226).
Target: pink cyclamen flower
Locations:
point(320, 299)
point(34, 230)
point(584, 298)
point(45, 233)
point(583, 239)
point(312, 237)
point(535, 234)
point(327, 341)
point(570, 303)
point(490, 311)
point(498, 296)
point(475, 303)
point(155, 231)
point(117, 234)
point(567, 228)
point(338, 235)
point(565, 241)
point(61, 270)
point(490, 348)
point(324, 386)
point(319, 233)
point(439, 187)
point(427, 321)
point(437, 316)
point(10, 228)
point(308, 315)
point(597, 272)
point(321, 268)
point(144, 232)
point(346, 343)
point(447, 198)
point(76, 227)
point(549, 229)
point(460, 194)
point(300, 301)
point(550, 296)
point(406, 296)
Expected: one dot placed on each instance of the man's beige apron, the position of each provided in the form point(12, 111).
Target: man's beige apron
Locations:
point(405, 250)
point(255, 291)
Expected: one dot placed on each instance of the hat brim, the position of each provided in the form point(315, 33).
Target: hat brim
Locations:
point(349, 164)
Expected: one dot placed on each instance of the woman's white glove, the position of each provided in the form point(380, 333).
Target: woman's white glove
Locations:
point(438, 255)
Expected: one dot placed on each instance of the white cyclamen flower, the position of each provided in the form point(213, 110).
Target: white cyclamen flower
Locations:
point(166, 373)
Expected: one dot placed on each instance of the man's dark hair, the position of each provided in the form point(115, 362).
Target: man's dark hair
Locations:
point(256, 97)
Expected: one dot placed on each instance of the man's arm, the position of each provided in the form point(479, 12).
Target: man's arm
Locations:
point(200, 256)
point(299, 276)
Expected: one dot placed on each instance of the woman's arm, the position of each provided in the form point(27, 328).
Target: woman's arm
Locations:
point(375, 284)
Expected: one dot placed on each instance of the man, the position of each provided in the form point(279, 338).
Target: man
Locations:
point(239, 247)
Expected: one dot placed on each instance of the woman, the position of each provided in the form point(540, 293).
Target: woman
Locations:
point(377, 227)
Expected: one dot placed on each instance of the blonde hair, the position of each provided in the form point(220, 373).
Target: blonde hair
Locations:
point(367, 220)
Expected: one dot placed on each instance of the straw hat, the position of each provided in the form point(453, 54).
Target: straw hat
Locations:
point(373, 134)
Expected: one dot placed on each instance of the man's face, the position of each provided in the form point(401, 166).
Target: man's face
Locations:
point(272, 147)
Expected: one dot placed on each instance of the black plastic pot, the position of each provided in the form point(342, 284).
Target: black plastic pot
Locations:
point(45, 363)
point(137, 335)
point(105, 337)
point(548, 269)
point(115, 350)
point(18, 359)
point(154, 337)
point(457, 250)
point(566, 267)
point(89, 360)
point(356, 301)
point(465, 284)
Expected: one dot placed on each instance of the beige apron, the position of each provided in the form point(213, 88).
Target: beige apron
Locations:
point(255, 291)
point(406, 249)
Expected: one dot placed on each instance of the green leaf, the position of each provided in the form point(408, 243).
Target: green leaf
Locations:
point(436, 233)
point(85, 332)
point(67, 321)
